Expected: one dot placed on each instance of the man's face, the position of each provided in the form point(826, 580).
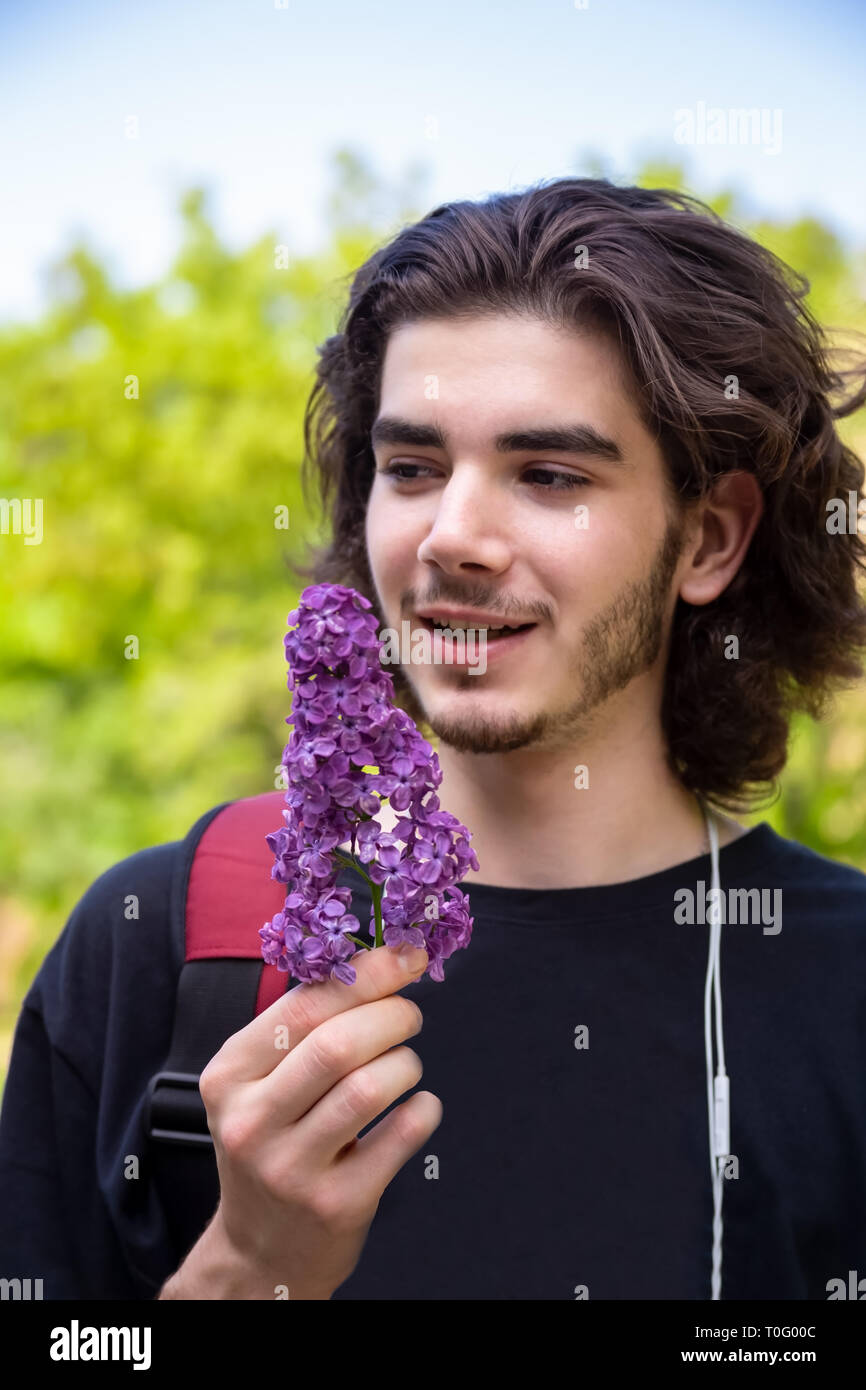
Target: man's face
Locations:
point(508, 532)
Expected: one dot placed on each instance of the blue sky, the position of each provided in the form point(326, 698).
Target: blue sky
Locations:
point(252, 97)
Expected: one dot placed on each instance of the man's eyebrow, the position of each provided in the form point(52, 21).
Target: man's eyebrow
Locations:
point(566, 439)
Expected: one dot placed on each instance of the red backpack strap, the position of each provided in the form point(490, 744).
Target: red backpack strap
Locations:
point(221, 895)
point(231, 894)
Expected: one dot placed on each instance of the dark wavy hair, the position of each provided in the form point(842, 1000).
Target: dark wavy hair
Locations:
point(689, 302)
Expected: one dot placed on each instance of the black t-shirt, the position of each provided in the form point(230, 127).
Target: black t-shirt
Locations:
point(566, 1044)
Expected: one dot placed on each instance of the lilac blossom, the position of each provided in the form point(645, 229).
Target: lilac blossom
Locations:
point(350, 751)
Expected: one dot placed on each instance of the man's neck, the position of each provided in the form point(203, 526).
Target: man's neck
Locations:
point(532, 827)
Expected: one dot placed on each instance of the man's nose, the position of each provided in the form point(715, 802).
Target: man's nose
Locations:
point(469, 530)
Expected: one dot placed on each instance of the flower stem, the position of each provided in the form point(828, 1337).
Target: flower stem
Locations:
point(377, 907)
point(352, 864)
point(375, 893)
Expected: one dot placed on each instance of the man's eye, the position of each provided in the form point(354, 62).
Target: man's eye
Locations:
point(396, 470)
point(562, 481)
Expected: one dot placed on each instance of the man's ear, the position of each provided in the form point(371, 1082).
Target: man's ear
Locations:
point(720, 535)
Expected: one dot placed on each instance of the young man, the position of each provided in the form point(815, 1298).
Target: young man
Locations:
point(602, 416)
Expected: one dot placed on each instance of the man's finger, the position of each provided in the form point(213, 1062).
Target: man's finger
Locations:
point(255, 1050)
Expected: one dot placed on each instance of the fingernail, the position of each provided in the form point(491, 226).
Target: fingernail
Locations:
point(412, 958)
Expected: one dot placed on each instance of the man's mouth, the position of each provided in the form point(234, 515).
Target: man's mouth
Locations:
point(493, 634)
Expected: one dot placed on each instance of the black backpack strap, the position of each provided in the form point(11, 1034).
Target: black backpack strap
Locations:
point(215, 998)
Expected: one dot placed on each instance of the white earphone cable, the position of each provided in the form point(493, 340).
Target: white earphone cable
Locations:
point(718, 1095)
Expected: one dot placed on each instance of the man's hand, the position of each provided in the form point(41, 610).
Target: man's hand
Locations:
point(298, 1189)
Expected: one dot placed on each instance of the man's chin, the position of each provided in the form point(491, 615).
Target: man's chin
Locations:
point(474, 731)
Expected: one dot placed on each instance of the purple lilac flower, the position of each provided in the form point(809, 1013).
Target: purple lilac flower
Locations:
point(345, 723)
